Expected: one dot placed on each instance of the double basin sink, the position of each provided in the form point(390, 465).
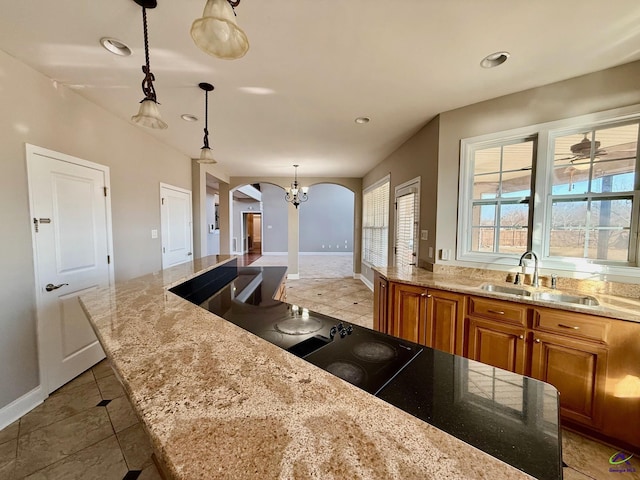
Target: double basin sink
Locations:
point(556, 297)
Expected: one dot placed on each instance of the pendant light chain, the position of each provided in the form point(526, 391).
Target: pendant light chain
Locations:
point(206, 119)
point(147, 83)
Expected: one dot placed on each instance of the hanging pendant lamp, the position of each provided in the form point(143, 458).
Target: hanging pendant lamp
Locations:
point(149, 113)
point(206, 155)
point(217, 32)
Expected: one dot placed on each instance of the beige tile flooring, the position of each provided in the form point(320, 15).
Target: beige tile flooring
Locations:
point(68, 437)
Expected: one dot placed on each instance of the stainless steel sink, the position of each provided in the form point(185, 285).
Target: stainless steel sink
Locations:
point(566, 298)
point(490, 287)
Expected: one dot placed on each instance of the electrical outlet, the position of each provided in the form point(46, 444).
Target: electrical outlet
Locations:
point(430, 252)
point(424, 235)
point(445, 254)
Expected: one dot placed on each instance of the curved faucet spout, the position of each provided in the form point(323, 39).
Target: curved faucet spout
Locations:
point(535, 282)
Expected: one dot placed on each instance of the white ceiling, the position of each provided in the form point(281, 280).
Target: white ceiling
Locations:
point(327, 62)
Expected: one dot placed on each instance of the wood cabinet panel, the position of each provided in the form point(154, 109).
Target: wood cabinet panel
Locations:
point(578, 370)
point(498, 310)
point(409, 312)
point(381, 303)
point(576, 325)
point(445, 321)
point(497, 344)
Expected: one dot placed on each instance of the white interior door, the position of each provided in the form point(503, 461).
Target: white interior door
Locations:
point(71, 233)
point(407, 202)
point(176, 221)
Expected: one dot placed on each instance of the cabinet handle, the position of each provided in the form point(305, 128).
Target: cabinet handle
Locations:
point(425, 294)
point(568, 326)
point(497, 312)
point(537, 340)
point(521, 337)
point(382, 285)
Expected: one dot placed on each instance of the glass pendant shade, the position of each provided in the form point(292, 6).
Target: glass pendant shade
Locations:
point(217, 33)
point(149, 115)
point(206, 156)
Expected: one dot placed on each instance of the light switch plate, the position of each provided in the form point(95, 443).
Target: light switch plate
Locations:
point(154, 233)
point(424, 234)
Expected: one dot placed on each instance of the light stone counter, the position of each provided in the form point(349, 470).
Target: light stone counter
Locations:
point(469, 281)
point(218, 402)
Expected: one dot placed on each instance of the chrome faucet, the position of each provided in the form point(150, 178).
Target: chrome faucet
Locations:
point(534, 282)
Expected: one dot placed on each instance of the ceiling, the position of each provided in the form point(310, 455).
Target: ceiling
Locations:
point(323, 63)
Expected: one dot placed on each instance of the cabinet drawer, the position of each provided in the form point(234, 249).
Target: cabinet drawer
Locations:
point(498, 310)
point(572, 324)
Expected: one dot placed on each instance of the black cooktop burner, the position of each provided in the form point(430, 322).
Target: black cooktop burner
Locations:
point(374, 351)
point(348, 371)
point(299, 326)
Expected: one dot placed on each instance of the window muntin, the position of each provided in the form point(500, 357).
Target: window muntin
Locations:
point(375, 224)
point(592, 195)
point(502, 176)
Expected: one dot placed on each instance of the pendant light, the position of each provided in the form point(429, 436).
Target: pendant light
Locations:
point(206, 155)
point(149, 114)
point(296, 194)
point(217, 32)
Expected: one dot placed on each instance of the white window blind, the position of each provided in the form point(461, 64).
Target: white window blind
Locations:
point(406, 229)
point(375, 224)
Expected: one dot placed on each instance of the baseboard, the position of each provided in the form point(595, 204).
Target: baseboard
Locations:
point(281, 254)
point(21, 406)
point(366, 281)
point(345, 254)
point(293, 276)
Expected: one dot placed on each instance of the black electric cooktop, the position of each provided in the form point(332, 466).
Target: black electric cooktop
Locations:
point(509, 416)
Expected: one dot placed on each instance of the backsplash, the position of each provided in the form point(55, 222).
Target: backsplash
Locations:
point(571, 284)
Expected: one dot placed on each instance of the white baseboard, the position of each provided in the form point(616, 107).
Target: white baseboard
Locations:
point(364, 280)
point(327, 253)
point(281, 254)
point(293, 276)
point(21, 406)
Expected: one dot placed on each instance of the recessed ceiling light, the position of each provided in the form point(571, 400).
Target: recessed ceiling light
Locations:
point(115, 46)
point(494, 59)
point(362, 120)
point(187, 117)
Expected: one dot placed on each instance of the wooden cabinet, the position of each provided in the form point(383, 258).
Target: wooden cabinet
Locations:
point(445, 321)
point(281, 293)
point(408, 312)
point(570, 352)
point(497, 344)
point(434, 318)
point(578, 370)
point(380, 305)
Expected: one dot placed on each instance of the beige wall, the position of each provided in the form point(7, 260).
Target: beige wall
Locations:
point(36, 111)
point(608, 89)
point(417, 157)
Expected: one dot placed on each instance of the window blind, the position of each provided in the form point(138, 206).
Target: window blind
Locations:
point(375, 224)
point(406, 229)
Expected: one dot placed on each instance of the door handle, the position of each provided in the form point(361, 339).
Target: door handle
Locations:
point(51, 287)
point(189, 254)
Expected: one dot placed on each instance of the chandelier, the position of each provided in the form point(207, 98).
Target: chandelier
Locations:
point(296, 194)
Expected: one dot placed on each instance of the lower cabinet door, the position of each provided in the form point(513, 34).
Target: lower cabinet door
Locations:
point(578, 370)
point(409, 318)
point(497, 344)
point(380, 303)
point(445, 321)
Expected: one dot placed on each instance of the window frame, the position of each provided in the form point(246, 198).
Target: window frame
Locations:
point(384, 253)
point(540, 215)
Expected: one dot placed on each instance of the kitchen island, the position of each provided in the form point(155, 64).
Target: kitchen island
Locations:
point(219, 402)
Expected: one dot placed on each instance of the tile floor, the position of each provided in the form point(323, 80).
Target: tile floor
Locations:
point(84, 430)
point(87, 429)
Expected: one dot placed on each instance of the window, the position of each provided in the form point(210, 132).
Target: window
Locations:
point(375, 223)
point(567, 190)
point(500, 204)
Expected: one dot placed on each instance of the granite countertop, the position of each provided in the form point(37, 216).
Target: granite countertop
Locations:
point(620, 308)
point(219, 402)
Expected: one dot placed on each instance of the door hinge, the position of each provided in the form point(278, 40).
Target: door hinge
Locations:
point(395, 205)
point(395, 250)
point(105, 191)
point(108, 259)
point(163, 250)
point(162, 201)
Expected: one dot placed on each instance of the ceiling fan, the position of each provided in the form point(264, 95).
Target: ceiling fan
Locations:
point(582, 150)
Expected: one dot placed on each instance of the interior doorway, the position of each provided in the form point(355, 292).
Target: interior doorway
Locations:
point(252, 239)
